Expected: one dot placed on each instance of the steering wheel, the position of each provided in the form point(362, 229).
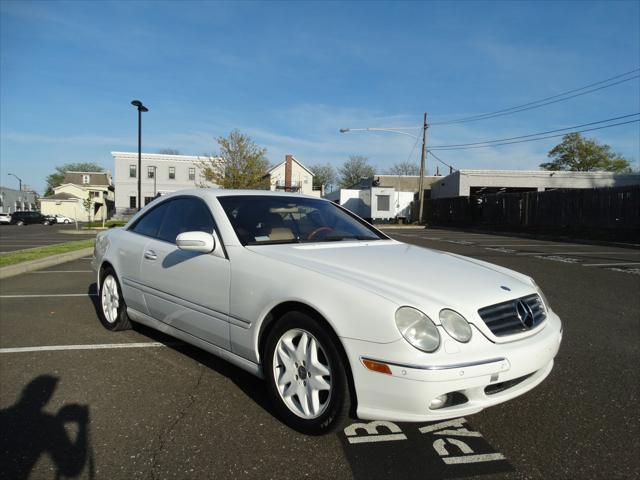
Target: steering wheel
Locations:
point(319, 230)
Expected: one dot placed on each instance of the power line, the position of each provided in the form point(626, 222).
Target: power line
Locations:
point(441, 161)
point(545, 101)
point(539, 138)
point(537, 134)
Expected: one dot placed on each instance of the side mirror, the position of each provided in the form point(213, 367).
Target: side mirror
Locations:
point(196, 242)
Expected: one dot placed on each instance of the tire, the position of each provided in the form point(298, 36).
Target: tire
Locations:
point(113, 310)
point(20, 223)
point(46, 223)
point(291, 375)
point(67, 221)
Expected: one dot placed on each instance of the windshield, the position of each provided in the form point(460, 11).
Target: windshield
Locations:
point(259, 220)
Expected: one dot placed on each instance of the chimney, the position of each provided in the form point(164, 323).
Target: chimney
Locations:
point(288, 167)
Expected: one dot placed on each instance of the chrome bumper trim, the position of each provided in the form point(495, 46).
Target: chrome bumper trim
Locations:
point(437, 367)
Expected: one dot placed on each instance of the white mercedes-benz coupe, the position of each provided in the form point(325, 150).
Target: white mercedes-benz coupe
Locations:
point(338, 318)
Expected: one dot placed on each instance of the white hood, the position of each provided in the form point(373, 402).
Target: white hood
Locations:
point(423, 278)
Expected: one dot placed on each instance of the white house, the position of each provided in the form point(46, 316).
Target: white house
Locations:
point(69, 197)
point(382, 198)
point(465, 183)
point(292, 176)
point(161, 174)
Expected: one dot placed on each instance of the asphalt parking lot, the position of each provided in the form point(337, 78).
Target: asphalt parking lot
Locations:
point(79, 401)
point(13, 237)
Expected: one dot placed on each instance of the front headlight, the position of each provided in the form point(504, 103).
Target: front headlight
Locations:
point(455, 325)
point(417, 329)
point(542, 295)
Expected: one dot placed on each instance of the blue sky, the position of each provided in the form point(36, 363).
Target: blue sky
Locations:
point(290, 74)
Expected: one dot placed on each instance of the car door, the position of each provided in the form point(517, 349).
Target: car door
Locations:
point(187, 290)
point(129, 254)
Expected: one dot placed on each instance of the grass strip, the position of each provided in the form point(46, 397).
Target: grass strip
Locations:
point(11, 258)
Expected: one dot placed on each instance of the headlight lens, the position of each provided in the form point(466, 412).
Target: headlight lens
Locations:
point(417, 329)
point(455, 325)
point(542, 295)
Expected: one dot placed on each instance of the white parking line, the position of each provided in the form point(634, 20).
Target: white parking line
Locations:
point(608, 264)
point(538, 245)
point(52, 295)
point(62, 271)
point(578, 253)
point(100, 346)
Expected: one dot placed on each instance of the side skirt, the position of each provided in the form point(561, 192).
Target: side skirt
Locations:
point(231, 357)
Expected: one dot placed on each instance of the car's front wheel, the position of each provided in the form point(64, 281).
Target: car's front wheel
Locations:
point(67, 221)
point(113, 310)
point(305, 374)
point(20, 223)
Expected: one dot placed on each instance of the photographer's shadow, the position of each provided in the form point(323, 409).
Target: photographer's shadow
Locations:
point(27, 432)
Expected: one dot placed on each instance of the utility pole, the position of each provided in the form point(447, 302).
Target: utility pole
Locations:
point(422, 167)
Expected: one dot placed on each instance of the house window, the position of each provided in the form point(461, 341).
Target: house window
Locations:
point(132, 171)
point(383, 203)
point(150, 172)
point(148, 200)
point(192, 173)
point(172, 173)
point(132, 202)
point(86, 179)
point(95, 194)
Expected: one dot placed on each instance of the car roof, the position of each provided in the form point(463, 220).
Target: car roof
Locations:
point(219, 192)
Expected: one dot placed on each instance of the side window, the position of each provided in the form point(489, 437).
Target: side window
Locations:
point(186, 215)
point(150, 223)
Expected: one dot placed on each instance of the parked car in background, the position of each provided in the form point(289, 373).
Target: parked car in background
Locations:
point(28, 218)
point(333, 314)
point(5, 218)
point(62, 219)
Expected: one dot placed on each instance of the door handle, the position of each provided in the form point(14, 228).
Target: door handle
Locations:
point(150, 255)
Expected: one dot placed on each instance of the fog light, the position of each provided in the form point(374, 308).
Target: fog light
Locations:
point(438, 402)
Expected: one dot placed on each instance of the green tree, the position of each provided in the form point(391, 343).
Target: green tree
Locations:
point(169, 151)
point(324, 174)
point(580, 154)
point(240, 164)
point(87, 204)
point(404, 168)
point(355, 168)
point(55, 179)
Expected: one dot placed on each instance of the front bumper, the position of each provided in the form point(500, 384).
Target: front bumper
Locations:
point(417, 378)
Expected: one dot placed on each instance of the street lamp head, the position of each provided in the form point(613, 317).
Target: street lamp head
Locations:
point(344, 130)
point(138, 104)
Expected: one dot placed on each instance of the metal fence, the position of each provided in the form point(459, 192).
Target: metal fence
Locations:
point(616, 208)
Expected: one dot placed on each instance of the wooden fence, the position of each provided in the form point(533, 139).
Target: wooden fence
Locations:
point(616, 208)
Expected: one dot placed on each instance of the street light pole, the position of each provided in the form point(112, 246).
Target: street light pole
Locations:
point(141, 108)
point(19, 180)
point(422, 167)
point(423, 158)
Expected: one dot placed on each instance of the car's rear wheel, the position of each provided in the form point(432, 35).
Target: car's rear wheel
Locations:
point(67, 220)
point(306, 377)
point(20, 223)
point(113, 310)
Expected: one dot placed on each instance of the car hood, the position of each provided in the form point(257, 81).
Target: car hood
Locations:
point(406, 274)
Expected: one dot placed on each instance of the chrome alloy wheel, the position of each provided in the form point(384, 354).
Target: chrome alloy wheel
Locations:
point(302, 373)
point(110, 299)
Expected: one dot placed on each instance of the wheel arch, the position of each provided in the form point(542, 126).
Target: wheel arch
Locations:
point(103, 266)
point(279, 310)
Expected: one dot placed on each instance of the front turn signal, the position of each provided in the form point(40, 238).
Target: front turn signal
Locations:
point(377, 366)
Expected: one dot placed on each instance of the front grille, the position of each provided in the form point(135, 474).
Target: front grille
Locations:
point(502, 386)
point(505, 319)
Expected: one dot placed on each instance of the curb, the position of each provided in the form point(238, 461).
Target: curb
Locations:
point(31, 265)
point(79, 232)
